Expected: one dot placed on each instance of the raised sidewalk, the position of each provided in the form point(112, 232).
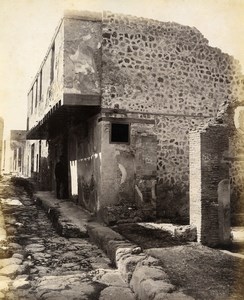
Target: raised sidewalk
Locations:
point(142, 272)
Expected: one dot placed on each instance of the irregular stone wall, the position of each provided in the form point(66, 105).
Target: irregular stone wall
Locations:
point(169, 73)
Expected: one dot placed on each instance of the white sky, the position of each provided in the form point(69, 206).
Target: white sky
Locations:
point(27, 26)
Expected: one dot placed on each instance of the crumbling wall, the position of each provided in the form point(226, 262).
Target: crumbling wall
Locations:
point(209, 184)
point(167, 72)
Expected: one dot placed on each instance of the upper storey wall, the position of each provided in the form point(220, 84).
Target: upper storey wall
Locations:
point(82, 57)
point(151, 66)
point(47, 88)
point(71, 67)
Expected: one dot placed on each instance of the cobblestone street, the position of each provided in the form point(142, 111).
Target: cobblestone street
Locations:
point(36, 263)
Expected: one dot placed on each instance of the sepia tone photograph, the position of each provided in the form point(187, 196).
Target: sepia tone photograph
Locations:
point(122, 150)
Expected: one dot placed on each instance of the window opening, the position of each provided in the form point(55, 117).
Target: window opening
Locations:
point(40, 86)
point(119, 133)
point(52, 63)
point(31, 99)
point(36, 99)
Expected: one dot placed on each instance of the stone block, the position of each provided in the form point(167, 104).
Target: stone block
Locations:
point(149, 288)
point(109, 278)
point(118, 293)
point(186, 233)
point(115, 249)
point(127, 264)
point(143, 273)
point(21, 282)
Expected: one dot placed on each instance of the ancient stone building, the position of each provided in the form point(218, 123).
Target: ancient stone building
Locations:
point(117, 96)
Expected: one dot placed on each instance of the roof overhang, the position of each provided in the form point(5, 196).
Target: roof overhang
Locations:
point(60, 118)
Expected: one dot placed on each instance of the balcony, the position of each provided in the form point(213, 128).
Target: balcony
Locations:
point(67, 85)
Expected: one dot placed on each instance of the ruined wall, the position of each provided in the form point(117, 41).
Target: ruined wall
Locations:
point(209, 185)
point(82, 56)
point(169, 73)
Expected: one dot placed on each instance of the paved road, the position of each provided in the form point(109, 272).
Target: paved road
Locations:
point(39, 264)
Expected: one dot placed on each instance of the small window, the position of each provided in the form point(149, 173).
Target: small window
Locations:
point(52, 63)
point(31, 100)
point(119, 133)
point(36, 98)
point(40, 86)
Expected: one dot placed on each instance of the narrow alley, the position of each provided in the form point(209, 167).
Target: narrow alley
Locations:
point(36, 263)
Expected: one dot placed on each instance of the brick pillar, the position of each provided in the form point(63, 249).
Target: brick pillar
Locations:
point(209, 185)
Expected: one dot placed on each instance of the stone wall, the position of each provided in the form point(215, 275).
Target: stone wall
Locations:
point(166, 72)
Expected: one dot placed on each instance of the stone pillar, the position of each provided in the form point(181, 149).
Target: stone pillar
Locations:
point(209, 185)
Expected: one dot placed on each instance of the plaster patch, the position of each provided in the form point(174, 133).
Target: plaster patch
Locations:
point(239, 118)
point(124, 173)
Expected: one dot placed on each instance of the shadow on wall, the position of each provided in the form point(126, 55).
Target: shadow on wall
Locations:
point(44, 176)
point(172, 203)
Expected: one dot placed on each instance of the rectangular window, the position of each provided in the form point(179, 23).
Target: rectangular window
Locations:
point(52, 63)
point(31, 100)
point(36, 99)
point(120, 133)
point(40, 87)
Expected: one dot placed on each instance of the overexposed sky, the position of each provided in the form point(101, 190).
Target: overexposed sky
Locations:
point(27, 26)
